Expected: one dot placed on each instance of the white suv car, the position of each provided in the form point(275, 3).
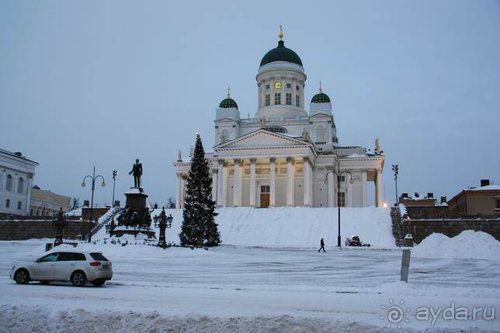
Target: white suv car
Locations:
point(74, 266)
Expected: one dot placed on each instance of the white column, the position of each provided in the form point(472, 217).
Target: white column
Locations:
point(183, 191)
point(220, 176)
point(331, 189)
point(290, 185)
point(252, 182)
point(363, 188)
point(214, 184)
point(238, 182)
point(307, 182)
point(224, 185)
point(378, 189)
point(311, 185)
point(29, 186)
point(348, 199)
point(272, 182)
point(178, 198)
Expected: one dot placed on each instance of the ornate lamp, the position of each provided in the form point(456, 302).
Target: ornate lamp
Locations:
point(164, 223)
point(59, 222)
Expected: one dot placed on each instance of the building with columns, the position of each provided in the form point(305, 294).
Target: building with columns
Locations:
point(285, 155)
point(16, 180)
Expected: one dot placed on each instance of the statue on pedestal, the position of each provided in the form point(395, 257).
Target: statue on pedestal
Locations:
point(137, 173)
point(135, 217)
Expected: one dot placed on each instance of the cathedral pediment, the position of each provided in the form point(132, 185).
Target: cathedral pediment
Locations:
point(263, 139)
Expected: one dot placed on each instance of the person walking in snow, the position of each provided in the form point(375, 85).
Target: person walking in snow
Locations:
point(322, 243)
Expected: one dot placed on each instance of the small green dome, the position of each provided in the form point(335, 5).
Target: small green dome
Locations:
point(228, 103)
point(320, 98)
point(281, 53)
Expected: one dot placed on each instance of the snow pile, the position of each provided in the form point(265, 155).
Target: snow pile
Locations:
point(29, 319)
point(468, 244)
point(291, 226)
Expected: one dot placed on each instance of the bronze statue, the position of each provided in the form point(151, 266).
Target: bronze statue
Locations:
point(137, 172)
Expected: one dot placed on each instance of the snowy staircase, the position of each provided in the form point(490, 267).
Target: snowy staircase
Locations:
point(101, 224)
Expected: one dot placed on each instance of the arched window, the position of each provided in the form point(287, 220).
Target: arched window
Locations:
point(225, 135)
point(8, 183)
point(20, 185)
point(320, 134)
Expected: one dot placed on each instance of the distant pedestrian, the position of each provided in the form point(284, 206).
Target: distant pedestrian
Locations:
point(322, 243)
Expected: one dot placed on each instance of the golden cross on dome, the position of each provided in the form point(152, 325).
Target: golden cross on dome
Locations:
point(228, 92)
point(320, 87)
point(281, 34)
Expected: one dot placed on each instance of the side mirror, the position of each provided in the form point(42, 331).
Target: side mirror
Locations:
point(38, 260)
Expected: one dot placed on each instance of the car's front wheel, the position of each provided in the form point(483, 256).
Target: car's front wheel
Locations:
point(22, 276)
point(78, 279)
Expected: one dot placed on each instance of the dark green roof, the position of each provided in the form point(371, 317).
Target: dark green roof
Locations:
point(228, 103)
point(320, 98)
point(281, 53)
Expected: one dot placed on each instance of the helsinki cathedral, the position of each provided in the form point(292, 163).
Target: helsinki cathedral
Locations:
point(286, 155)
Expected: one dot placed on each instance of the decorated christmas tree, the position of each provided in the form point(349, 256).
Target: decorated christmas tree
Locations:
point(198, 227)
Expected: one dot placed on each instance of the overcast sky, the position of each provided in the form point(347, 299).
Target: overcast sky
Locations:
point(104, 82)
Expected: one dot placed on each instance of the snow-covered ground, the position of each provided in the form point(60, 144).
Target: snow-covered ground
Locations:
point(248, 289)
point(292, 226)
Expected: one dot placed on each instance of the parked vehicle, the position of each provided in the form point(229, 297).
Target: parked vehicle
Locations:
point(355, 241)
point(76, 267)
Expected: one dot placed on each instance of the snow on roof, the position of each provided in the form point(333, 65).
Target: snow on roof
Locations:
point(357, 155)
point(486, 188)
point(418, 198)
point(134, 190)
point(74, 212)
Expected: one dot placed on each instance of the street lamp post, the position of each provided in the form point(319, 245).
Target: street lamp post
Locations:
point(338, 173)
point(93, 178)
point(395, 170)
point(163, 222)
point(115, 173)
point(59, 222)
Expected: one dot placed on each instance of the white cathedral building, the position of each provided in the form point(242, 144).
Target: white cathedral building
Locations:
point(285, 155)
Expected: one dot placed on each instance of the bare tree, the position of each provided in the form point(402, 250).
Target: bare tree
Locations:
point(170, 203)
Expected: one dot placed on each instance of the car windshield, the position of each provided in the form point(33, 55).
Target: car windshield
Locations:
point(98, 256)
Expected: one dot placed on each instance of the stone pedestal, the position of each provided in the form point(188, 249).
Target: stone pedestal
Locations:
point(136, 199)
point(135, 218)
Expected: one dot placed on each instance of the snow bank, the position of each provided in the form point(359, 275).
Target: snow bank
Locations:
point(292, 226)
point(32, 319)
point(468, 244)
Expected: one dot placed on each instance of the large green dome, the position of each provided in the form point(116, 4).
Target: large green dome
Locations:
point(320, 98)
point(228, 103)
point(281, 53)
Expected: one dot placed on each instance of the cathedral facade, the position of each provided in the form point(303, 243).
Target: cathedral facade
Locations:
point(285, 155)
